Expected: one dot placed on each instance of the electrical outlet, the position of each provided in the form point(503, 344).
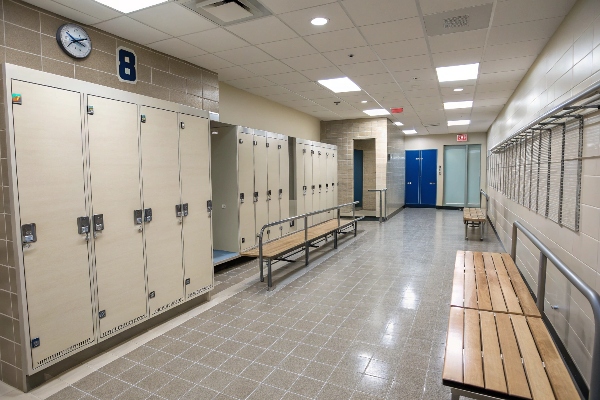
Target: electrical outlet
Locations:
point(223, 206)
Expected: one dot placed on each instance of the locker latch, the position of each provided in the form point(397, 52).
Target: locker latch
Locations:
point(327, 187)
point(138, 217)
point(83, 226)
point(319, 153)
point(182, 124)
point(268, 144)
point(313, 189)
point(209, 205)
point(152, 294)
point(255, 197)
point(28, 233)
point(241, 141)
point(241, 197)
point(185, 209)
point(254, 142)
point(312, 152)
point(102, 314)
point(303, 150)
point(98, 222)
point(188, 281)
point(332, 185)
point(243, 240)
point(304, 190)
point(147, 215)
point(178, 212)
point(279, 147)
point(90, 110)
point(35, 342)
point(268, 195)
point(143, 118)
point(320, 188)
point(280, 194)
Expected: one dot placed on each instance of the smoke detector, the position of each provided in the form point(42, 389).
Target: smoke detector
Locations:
point(227, 12)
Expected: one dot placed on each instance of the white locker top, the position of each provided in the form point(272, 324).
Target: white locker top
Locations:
point(243, 129)
point(258, 132)
point(282, 137)
point(272, 135)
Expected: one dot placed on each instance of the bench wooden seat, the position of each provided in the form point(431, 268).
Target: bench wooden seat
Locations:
point(474, 217)
point(497, 343)
point(490, 282)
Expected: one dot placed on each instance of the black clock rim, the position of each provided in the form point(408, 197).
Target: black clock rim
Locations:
point(62, 47)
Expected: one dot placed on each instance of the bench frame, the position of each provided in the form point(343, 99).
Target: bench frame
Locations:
point(307, 243)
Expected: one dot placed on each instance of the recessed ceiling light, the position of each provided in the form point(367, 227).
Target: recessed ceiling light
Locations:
point(130, 5)
point(459, 122)
point(340, 85)
point(364, 101)
point(410, 131)
point(451, 105)
point(398, 123)
point(319, 21)
point(458, 72)
point(459, 89)
point(376, 112)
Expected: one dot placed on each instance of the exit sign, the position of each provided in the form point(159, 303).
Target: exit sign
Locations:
point(462, 137)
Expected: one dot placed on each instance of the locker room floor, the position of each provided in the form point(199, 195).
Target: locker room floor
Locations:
point(367, 321)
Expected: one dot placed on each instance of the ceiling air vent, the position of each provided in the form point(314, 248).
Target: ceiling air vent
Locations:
point(227, 12)
point(465, 19)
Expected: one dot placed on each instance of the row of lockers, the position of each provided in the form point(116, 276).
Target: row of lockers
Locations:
point(113, 200)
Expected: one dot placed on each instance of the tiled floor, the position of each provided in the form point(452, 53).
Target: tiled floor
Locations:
point(368, 322)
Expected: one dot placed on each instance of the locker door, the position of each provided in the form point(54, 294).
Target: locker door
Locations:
point(261, 205)
point(318, 218)
point(308, 180)
point(160, 176)
point(413, 177)
point(49, 154)
point(301, 189)
point(329, 181)
point(284, 183)
point(246, 189)
point(273, 185)
point(119, 248)
point(335, 177)
point(322, 182)
point(196, 191)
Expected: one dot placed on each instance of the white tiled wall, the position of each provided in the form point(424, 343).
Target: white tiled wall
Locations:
point(569, 63)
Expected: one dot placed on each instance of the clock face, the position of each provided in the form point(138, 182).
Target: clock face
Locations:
point(74, 40)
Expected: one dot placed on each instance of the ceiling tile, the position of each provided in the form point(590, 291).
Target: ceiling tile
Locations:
point(367, 68)
point(89, 7)
point(247, 83)
point(489, 102)
point(304, 87)
point(288, 48)
point(177, 48)
point(377, 11)
point(235, 72)
point(162, 16)
point(323, 73)
point(374, 79)
point(509, 64)
point(496, 77)
point(408, 63)
point(267, 90)
point(415, 74)
point(67, 12)
point(416, 94)
point(387, 32)
point(338, 40)
point(513, 11)
point(519, 49)
point(374, 90)
point(317, 94)
point(494, 95)
point(263, 30)
point(282, 6)
point(497, 86)
point(405, 48)
point(419, 84)
point(210, 61)
point(214, 40)
point(457, 41)
point(523, 31)
point(300, 20)
point(133, 30)
point(359, 54)
point(311, 61)
point(437, 6)
point(468, 90)
point(244, 55)
point(287, 78)
point(457, 57)
point(268, 68)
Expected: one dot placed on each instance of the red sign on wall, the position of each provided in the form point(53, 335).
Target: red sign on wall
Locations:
point(462, 137)
point(397, 110)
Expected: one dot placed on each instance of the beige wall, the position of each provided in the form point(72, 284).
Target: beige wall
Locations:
point(238, 107)
point(569, 63)
point(438, 142)
point(369, 171)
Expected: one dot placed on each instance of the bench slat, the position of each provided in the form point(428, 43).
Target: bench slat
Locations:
point(470, 288)
point(536, 375)
point(494, 284)
point(458, 284)
point(510, 298)
point(515, 375)
point(527, 303)
point(472, 345)
point(453, 364)
point(483, 293)
point(561, 381)
point(492, 362)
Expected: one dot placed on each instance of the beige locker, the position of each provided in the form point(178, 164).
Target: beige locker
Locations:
point(196, 194)
point(334, 172)
point(49, 162)
point(300, 188)
point(246, 187)
point(317, 183)
point(329, 181)
point(284, 182)
point(160, 176)
point(273, 184)
point(308, 180)
point(261, 204)
point(323, 182)
point(115, 191)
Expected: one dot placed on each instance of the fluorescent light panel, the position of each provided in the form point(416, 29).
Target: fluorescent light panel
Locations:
point(128, 6)
point(459, 122)
point(451, 105)
point(459, 89)
point(458, 72)
point(376, 112)
point(340, 85)
point(410, 131)
point(398, 123)
point(319, 21)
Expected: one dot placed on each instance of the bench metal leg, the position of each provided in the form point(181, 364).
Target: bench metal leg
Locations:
point(335, 240)
point(260, 264)
point(269, 275)
point(306, 249)
point(355, 228)
point(481, 224)
point(455, 396)
point(466, 228)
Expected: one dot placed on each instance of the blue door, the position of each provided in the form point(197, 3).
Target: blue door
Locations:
point(413, 167)
point(358, 177)
point(428, 177)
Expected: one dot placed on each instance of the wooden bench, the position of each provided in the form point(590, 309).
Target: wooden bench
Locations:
point(497, 344)
point(275, 249)
point(474, 217)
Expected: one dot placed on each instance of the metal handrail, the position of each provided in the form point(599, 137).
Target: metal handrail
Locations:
point(590, 294)
point(487, 200)
point(382, 206)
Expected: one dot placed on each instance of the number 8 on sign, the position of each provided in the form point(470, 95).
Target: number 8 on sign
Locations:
point(126, 65)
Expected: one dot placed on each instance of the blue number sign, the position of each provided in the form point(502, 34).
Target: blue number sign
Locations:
point(126, 65)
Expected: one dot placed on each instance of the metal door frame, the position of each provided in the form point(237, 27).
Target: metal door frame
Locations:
point(466, 146)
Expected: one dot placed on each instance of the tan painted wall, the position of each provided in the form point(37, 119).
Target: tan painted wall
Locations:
point(438, 142)
point(569, 63)
point(238, 107)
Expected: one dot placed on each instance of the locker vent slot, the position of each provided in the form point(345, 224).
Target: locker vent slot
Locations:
point(64, 352)
point(200, 291)
point(122, 326)
point(167, 306)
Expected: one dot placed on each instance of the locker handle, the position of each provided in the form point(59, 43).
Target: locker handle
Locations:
point(178, 212)
point(268, 195)
point(304, 190)
point(98, 222)
point(255, 197)
point(280, 194)
point(147, 215)
point(209, 205)
point(241, 197)
point(28, 234)
point(138, 217)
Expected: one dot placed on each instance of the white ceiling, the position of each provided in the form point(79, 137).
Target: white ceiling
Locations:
point(281, 56)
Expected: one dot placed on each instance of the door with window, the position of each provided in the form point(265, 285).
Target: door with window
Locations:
point(421, 178)
point(462, 174)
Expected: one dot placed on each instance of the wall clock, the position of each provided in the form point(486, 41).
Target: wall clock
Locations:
point(74, 40)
